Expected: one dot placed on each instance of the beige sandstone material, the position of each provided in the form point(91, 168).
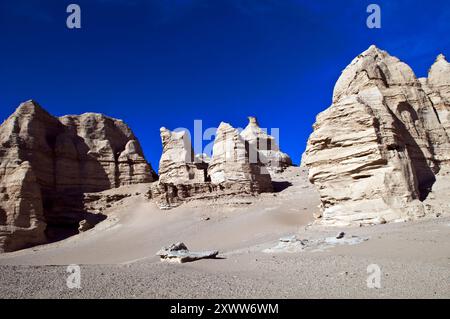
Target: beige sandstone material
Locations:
point(376, 152)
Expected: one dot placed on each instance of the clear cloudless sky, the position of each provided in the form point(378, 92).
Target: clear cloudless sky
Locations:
point(159, 63)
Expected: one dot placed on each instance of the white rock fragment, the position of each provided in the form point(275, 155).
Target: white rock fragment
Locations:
point(292, 244)
point(179, 253)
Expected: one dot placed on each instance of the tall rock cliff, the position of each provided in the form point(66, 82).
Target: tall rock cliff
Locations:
point(375, 153)
point(48, 163)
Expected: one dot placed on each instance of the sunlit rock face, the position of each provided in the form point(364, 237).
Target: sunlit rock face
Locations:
point(376, 152)
point(268, 151)
point(48, 163)
point(228, 172)
point(178, 165)
point(232, 164)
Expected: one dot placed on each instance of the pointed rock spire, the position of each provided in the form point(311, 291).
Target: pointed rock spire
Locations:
point(440, 57)
point(268, 150)
point(439, 73)
point(234, 163)
point(372, 68)
point(176, 165)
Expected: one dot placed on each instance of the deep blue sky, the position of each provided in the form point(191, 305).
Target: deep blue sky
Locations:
point(168, 62)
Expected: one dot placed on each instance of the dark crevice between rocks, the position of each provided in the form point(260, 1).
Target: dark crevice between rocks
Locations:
point(362, 176)
point(131, 166)
point(2, 217)
point(63, 216)
point(383, 76)
point(280, 186)
point(116, 170)
point(424, 175)
point(51, 141)
point(63, 221)
point(57, 231)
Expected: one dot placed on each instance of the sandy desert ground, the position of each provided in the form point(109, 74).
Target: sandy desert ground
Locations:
point(117, 257)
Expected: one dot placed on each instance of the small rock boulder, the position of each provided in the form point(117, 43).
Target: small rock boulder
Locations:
point(179, 253)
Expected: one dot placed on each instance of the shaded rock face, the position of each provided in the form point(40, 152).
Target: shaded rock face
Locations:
point(268, 151)
point(21, 211)
point(376, 151)
point(230, 171)
point(47, 163)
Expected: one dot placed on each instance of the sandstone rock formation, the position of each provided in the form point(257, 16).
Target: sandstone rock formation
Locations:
point(181, 174)
point(229, 172)
point(21, 207)
point(48, 163)
point(177, 164)
point(202, 158)
point(268, 151)
point(376, 151)
point(437, 87)
point(232, 165)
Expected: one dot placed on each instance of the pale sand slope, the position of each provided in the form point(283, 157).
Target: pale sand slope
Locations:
point(117, 257)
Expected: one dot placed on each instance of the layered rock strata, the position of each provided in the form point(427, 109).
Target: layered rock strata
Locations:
point(184, 176)
point(268, 150)
point(48, 163)
point(178, 164)
point(375, 153)
point(232, 164)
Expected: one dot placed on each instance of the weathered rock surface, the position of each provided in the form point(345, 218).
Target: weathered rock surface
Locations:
point(437, 87)
point(179, 253)
point(22, 220)
point(230, 171)
point(168, 195)
point(178, 164)
point(376, 151)
point(293, 244)
point(48, 163)
point(231, 165)
point(268, 150)
point(181, 174)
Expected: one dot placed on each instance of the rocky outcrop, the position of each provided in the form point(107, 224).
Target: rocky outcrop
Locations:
point(48, 163)
point(230, 171)
point(268, 150)
point(181, 174)
point(104, 144)
point(132, 167)
point(178, 164)
point(22, 221)
point(179, 253)
point(376, 151)
point(437, 87)
point(235, 164)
